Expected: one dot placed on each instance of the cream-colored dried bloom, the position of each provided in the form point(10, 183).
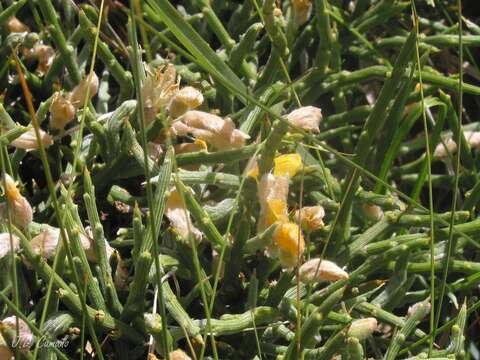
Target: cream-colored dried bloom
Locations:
point(45, 244)
point(16, 26)
point(187, 98)
point(422, 306)
point(288, 244)
point(372, 212)
point(306, 118)
point(272, 195)
point(311, 217)
point(21, 211)
point(316, 270)
point(218, 132)
point(62, 111)
point(179, 355)
point(79, 93)
point(301, 11)
point(5, 245)
point(362, 328)
point(45, 55)
point(179, 218)
point(25, 338)
point(28, 140)
point(441, 151)
point(158, 89)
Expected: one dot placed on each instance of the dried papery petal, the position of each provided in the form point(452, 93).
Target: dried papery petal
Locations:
point(311, 217)
point(78, 95)
point(45, 55)
point(272, 195)
point(16, 26)
point(362, 328)
point(373, 212)
point(287, 165)
point(5, 244)
point(158, 89)
point(179, 218)
point(45, 244)
point(316, 270)
point(61, 111)
point(155, 151)
point(306, 118)
point(288, 244)
point(25, 338)
point(302, 10)
point(218, 132)
point(187, 98)
point(28, 140)
point(21, 211)
point(179, 355)
point(472, 137)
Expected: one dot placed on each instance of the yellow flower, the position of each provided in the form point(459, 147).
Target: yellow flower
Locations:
point(311, 217)
point(180, 217)
point(272, 195)
point(21, 211)
point(287, 165)
point(62, 111)
point(288, 244)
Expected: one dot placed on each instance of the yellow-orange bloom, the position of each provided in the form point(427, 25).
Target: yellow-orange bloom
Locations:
point(288, 244)
point(287, 165)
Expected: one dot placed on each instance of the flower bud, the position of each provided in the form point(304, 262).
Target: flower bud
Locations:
point(179, 355)
point(16, 26)
point(306, 118)
point(288, 244)
point(61, 111)
point(25, 337)
point(28, 140)
point(188, 98)
point(362, 328)
point(5, 244)
point(316, 270)
point(311, 217)
point(220, 133)
point(78, 95)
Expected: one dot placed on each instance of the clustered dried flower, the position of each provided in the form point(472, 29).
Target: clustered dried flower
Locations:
point(450, 146)
point(20, 210)
point(218, 132)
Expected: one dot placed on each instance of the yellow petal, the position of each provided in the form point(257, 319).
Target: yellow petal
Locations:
point(289, 242)
point(276, 211)
point(288, 164)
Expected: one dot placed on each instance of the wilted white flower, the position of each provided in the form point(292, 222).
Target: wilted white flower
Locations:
point(25, 338)
point(79, 93)
point(218, 132)
point(28, 140)
point(311, 217)
point(21, 211)
point(158, 89)
point(362, 328)
point(422, 306)
point(62, 111)
point(301, 11)
point(315, 270)
point(179, 217)
point(45, 55)
point(306, 118)
point(16, 26)
point(179, 355)
point(442, 151)
point(187, 98)
point(45, 244)
point(5, 245)
point(372, 212)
